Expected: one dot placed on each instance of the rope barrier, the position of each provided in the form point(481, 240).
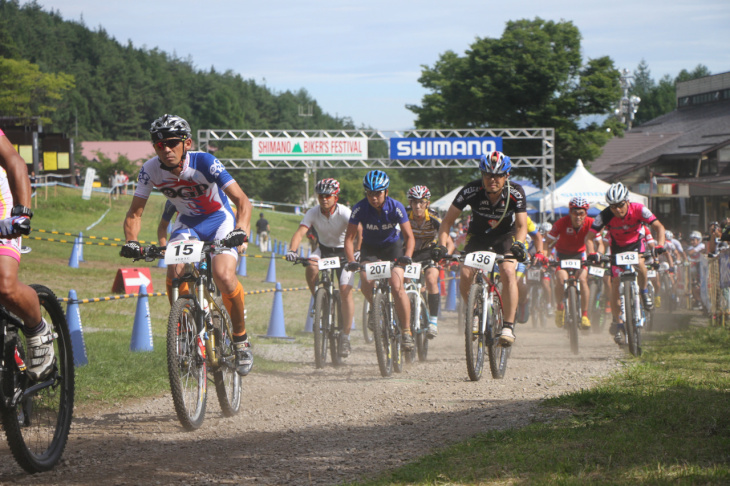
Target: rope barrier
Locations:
point(104, 238)
point(162, 294)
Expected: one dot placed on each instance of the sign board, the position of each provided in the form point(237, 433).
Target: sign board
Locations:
point(88, 183)
point(342, 148)
point(129, 280)
point(443, 148)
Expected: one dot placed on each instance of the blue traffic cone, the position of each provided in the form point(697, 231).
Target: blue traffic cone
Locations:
point(268, 245)
point(275, 247)
point(276, 322)
point(309, 252)
point(257, 239)
point(309, 323)
point(301, 252)
point(142, 330)
point(242, 266)
point(271, 274)
point(284, 249)
point(73, 317)
point(451, 296)
point(81, 247)
point(161, 263)
point(73, 262)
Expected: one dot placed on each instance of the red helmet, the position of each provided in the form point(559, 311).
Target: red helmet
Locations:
point(578, 202)
point(327, 186)
point(419, 192)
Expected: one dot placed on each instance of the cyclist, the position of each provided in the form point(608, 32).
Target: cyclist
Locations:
point(425, 224)
point(534, 245)
point(379, 216)
point(330, 219)
point(624, 221)
point(568, 236)
point(17, 297)
point(694, 250)
point(200, 188)
point(546, 275)
point(499, 223)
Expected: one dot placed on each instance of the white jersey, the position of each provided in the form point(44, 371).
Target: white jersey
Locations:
point(330, 230)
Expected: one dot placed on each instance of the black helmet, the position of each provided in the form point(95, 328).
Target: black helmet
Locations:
point(169, 126)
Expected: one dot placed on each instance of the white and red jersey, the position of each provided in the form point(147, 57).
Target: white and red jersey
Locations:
point(568, 239)
point(624, 231)
point(330, 230)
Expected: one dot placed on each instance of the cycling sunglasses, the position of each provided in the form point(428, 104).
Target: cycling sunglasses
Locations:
point(172, 143)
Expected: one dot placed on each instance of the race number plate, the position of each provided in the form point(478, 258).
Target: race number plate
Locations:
point(570, 264)
point(483, 260)
point(627, 258)
point(413, 271)
point(651, 273)
point(184, 251)
point(597, 271)
point(534, 274)
point(377, 270)
point(327, 263)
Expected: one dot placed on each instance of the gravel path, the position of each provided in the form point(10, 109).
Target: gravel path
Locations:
point(308, 426)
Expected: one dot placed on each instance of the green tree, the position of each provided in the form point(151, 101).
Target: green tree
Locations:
point(26, 92)
point(533, 76)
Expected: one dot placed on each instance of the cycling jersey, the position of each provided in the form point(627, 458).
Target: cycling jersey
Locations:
point(699, 248)
point(567, 239)
point(379, 227)
point(8, 247)
point(486, 216)
point(169, 211)
point(330, 230)
point(624, 231)
point(426, 233)
point(197, 192)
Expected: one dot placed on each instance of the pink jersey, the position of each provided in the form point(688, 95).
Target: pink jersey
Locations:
point(627, 230)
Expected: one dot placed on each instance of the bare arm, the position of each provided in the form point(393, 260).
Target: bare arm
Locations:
point(133, 220)
point(590, 239)
point(408, 239)
point(350, 235)
point(447, 223)
point(243, 206)
point(296, 238)
point(660, 236)
point(17, 172)
point(521, 226)
point(162, 232)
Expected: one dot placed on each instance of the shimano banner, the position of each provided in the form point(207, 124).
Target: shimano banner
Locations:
point(443, 148)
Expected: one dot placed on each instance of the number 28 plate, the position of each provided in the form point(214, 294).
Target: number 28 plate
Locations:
point(327, 263)
point(377, 270)
point(483, 260)
point(184, 251)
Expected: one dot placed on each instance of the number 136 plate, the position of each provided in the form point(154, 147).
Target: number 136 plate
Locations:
point(483, 260)
point(183, 251)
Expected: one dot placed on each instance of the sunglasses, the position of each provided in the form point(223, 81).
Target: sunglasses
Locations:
point(324, 196)
point(167, 143)
point(493, 176)
point(374, 193)
point(617, 206)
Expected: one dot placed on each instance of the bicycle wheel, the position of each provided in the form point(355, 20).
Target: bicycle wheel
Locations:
point(421, 339)
point(379, 316)
point(365, 322)
point(319, 327)
point(649, 313)
point(573, 318)
point(632, 332)
point(227, 381)
point(186, 368)
point(334, 330)
point(37, 426)
point(498, 354)
point(416, 330)
point(594, 305)
point(473, 332)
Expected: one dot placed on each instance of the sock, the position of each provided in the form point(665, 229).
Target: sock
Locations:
point(241, 338)
point(39, 329)
point(233, 303)
point(561, 306)
point(511, 325)
point(433, 304)
point(585, 313)
point(645, 291)
point(183, 289)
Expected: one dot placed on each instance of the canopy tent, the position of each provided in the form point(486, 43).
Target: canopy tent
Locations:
point(443, 204)
point(579, 182)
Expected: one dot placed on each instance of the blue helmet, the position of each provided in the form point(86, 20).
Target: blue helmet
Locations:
point(376, 180)
point(495, 163)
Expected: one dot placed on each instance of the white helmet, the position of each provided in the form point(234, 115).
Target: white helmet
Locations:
point(617, 194)
point(695, 234)
point(669, 235)
point(546, 227)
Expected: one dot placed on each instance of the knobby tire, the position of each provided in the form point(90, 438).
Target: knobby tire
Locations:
point(381, 334)
point(319, 327)
point(498, 354)
point(227, 381)
point(573, 318)
point(630, 324)
point(334, 330)
point(474, 338)
point(366, 334)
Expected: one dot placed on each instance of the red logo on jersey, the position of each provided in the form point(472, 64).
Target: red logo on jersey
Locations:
point(493, 222)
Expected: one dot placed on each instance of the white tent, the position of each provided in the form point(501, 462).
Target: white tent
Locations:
point(579, 182)
point(443, 203)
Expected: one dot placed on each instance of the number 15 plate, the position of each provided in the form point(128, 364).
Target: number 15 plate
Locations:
point(184, 251)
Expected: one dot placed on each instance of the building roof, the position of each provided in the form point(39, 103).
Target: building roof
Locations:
point(694, 130)
point(134, 151)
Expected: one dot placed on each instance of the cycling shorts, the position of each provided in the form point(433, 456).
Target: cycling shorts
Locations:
point(216, 227)
point(615, 250)
point(389, 253)
point(11, 248)
point(499, 244)
point(520, 271)
point(424, 258)
point(345, 277)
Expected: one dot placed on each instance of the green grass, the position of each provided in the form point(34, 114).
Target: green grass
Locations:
point(664, 419)
point(114, 373)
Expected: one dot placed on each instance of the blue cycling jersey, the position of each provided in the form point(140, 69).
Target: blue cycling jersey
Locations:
point(379, 227)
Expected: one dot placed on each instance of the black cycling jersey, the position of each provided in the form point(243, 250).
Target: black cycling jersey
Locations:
point(486, 215)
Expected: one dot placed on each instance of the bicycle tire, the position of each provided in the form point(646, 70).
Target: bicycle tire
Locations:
point(416, 329)
point(396, 343)
point(334, 331)
point(573, 318)
point(649, 314)
point(473, 333)
point(381, 334)
point(594, 305)
point(422, 340)
point(366, 335)
point(498, 354)
point(227, 381)
point(187, 371)
point(319, 327)
point(534, 297)
point(630, 324)
point(39, 441)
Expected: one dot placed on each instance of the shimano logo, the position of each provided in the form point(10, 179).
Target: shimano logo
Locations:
point(443, 148)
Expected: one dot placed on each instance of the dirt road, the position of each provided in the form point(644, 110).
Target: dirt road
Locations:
point(309, 426)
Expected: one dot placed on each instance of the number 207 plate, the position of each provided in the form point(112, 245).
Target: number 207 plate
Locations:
point(183, 251)
point(484, 260)
point(377, 270)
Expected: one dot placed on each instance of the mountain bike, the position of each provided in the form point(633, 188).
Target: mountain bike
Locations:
point(571, 299)
point(384, 319)
point(633, 313)
point(598, 296)
point(366, 331)
point(199, 333)
point(36, 416)
point(536, 296)
point(483, 317)
point(327, 325)
point(668, 291)
point(420, 317)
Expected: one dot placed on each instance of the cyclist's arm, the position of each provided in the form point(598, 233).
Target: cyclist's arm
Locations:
point(243, 206)
point(590, 239)
point(521, 226)
point(350, 235)
point(447, 223)
point(162, 232)
point(537, 238)
point(296, 238)
point(409, 242)
point(17, 172)
point(133, 220)
point(659, 228)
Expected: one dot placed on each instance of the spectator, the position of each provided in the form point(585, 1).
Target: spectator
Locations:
point(78, 177)
point(262, 230)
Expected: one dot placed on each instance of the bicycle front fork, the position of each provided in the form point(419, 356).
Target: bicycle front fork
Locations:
point(638, 318)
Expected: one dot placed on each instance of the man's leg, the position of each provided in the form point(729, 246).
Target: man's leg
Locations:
point(434, 298)
point(509, 300)
point(224, 275)
point(560, 276)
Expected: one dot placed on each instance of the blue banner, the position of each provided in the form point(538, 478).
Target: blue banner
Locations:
point(443, 148)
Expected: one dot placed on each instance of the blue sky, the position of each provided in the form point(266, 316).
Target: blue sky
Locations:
point(363, 59)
